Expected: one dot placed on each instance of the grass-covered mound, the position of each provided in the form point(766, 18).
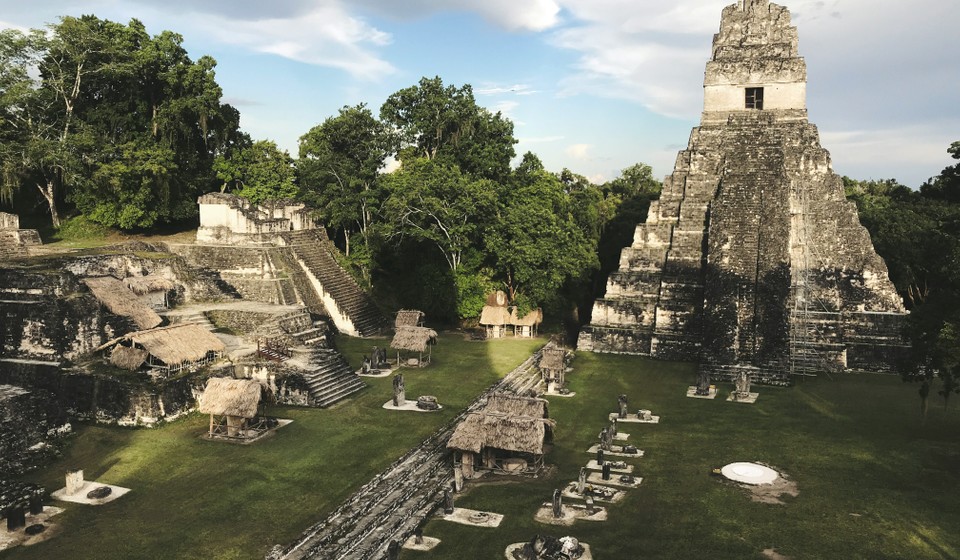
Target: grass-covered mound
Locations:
point(874, 481)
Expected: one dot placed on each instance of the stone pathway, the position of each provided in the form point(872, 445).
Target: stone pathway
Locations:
point(392, 505)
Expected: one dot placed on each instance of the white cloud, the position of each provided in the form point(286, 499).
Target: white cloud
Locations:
point(505, 107)
point(540, 139)
point(515, 89)
point(326, 36)
point(578, 151)
point(513, 15)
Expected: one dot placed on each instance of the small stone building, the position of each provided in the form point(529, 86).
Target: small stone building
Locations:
point(227, 219)
point(13, 240)
point(506, 436)
point(233, 406)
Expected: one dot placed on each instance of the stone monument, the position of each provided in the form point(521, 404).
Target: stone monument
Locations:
point(447, 501)
point(399, 393)
point(703, 383)
point(752, 259)
point(741, 386)
point(622, 404)
point(582, 481)
point(557, 504)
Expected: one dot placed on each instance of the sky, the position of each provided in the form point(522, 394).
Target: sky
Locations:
point(590, 85)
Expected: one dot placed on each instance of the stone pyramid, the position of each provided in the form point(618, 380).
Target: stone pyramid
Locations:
point(752, 258)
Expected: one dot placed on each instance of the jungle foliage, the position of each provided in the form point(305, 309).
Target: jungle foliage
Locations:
point(917, 232)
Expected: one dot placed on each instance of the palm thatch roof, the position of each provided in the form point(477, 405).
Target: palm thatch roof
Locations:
point(127, 357)
point(409, 318)
point(120, 301)
point(494, 315)
point(173, 345)
point(552, 358)
point(414, 339)
point(521, 434)
point(533, 317)
point(516, 405)
point(142, 285)
point(224, 396)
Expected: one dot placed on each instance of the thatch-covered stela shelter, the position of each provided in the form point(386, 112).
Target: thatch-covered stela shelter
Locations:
point(233, 405)
point(507, 436)
point(414, 339)
point(166, 349)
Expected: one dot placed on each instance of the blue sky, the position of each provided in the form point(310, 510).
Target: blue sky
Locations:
point(591, 85)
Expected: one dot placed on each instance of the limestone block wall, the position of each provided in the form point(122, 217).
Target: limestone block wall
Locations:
point(30, 427)
point(79, 395)
point(230, 220)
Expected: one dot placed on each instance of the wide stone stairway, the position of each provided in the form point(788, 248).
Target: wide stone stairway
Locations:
point(330, 378)
point(315, 253)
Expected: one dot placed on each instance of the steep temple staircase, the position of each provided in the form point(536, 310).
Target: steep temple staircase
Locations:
point(349, 307)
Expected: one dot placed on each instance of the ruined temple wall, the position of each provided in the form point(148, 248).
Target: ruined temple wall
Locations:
point(30, 425)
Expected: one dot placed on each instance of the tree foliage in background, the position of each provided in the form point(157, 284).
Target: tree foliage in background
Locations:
point(918, 235)
point(101, 115)
point(339, 167)
point(259, 171)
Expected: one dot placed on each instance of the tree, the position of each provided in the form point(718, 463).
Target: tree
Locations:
point(258, 172)
point(433, 201)
point(536, 242)
point(444, 122)
point(91, 102)
point(339, 165)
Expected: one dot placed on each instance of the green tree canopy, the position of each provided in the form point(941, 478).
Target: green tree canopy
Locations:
point(260, 171)
point(339, 166)
point(93, 103)
point(445, 122)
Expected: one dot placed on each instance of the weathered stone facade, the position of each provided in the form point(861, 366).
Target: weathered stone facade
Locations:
point(752, 258)
point(227, 219)
point(13, 240)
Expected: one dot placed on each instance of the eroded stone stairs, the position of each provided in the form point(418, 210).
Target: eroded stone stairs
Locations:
point(316, 252)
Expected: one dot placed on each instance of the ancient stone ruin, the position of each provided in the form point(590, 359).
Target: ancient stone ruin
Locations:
point(752, 259)
point(13, 240)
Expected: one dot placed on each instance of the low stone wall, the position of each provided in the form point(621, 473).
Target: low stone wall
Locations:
point(30, 426)
point(102, 399)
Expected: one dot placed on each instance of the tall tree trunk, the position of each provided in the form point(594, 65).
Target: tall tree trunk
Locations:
point(346, 241)
point(50, 196)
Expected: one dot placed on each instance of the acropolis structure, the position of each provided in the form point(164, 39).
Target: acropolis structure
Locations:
point(752, 259)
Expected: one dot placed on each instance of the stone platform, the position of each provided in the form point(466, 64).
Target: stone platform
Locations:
point(593, 450)
point(597, 478)
point(571, 513)
point(473, 517)
point(508, 553)
point(749, 399)
point(634, 418)
point(409, 406)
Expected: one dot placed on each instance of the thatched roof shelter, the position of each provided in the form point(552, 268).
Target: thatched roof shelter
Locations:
point(409, 318)
point(174, 346)
point(415, 339)
point(494, 315)
point(224, 396)
point(480, 430)
point(142, 285)
point(552, 358)
point(127, 357)
point(515, 405)
point(532, 318)
point(121, 301)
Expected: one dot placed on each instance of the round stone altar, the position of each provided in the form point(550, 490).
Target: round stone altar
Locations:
point(749, 473)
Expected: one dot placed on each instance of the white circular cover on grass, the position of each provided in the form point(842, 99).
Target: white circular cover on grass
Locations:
point(749, 473)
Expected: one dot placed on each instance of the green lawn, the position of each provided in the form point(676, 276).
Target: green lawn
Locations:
point(874, 481)
point(193, 498)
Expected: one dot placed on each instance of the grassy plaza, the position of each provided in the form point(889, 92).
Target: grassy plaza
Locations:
point(874, 480)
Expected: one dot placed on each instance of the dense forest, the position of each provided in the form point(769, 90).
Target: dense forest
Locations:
point(103, 123)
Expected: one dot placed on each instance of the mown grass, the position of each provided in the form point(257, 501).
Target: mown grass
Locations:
point(875, 481)
point(193, 498)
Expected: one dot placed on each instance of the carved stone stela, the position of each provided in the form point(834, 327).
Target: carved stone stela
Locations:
point(752, 258)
